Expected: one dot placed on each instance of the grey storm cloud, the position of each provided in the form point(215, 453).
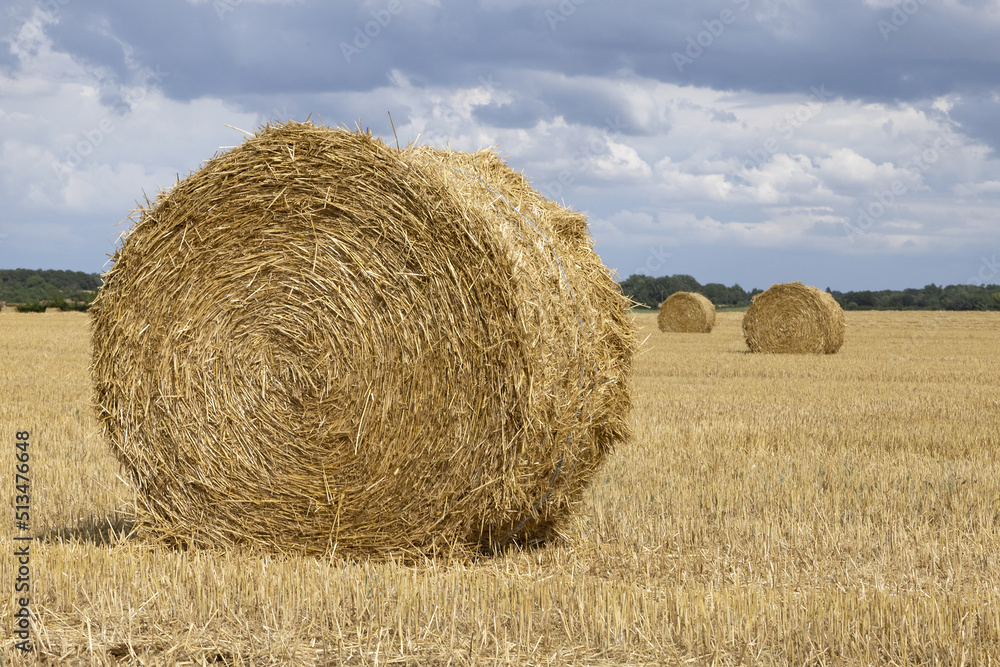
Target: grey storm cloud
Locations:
point(642, 109)
point(521, 113)
point(977, 117)
point(584, 103)
point(750, 45)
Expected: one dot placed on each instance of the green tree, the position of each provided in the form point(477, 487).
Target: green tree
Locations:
point(57, 301)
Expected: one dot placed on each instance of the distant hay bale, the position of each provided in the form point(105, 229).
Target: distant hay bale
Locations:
point(51, 309)
point(794, 318)
point(9, 309)
point(686, 312)
point(319, 343)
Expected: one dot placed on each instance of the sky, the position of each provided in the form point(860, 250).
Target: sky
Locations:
point(848, 144)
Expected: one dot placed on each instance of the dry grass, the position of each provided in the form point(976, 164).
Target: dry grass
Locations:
point(773, 509)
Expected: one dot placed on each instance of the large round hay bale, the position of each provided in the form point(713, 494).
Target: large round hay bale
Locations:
point(317, 342)
point(794, 318)
point(686, 312)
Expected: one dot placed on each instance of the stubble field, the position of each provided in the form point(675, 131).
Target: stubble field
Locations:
point(840, 509)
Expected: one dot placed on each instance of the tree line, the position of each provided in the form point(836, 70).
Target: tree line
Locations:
point(651, 292)
point(39, 288)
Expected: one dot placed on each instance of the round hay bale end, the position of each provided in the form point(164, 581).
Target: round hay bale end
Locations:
point(319, 343)
point(686, 312)
point(794, 318)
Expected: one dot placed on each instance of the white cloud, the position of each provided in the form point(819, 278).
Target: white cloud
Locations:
point(655, 164)
point(782, 180)
point(620, 162)
point(785, 227)
point(849, 172)
point(626, 226)
point(73, 167)
point(986, 188)
point(675, 183)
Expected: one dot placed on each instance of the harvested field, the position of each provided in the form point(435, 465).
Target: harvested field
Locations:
point(771, 510)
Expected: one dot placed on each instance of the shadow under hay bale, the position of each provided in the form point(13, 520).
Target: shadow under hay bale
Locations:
point(319, 343)
point(101, 531)
point(794, 318)
point(686, 312)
